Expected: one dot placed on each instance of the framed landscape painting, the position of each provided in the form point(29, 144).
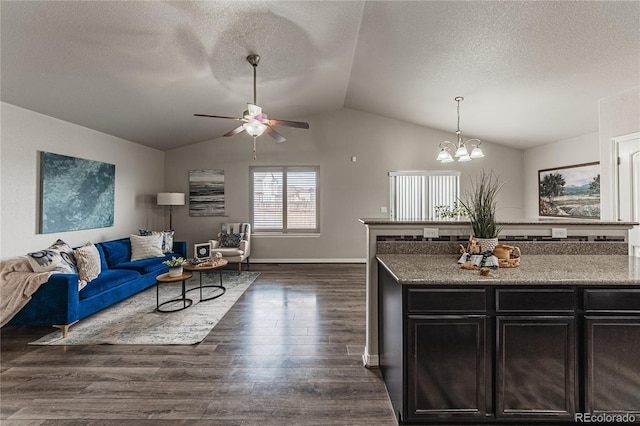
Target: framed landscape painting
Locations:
point(75, 193)
point(571, 191)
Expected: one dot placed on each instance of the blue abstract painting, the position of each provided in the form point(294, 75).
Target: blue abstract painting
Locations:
point(75, 193)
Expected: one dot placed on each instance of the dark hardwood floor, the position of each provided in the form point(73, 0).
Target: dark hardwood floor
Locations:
point(287, 353)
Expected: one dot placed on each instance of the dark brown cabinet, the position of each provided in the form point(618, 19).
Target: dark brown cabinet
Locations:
point(612, 367)
point(446, 366)
point(612, 348)
point(536, 353)
point(433, 351)
point(508, 354)
point(535, 367)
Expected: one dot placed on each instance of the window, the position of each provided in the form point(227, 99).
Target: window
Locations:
point(416, 194)
point(284, 199)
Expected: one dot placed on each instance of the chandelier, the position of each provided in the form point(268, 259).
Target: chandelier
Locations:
point(461, 152)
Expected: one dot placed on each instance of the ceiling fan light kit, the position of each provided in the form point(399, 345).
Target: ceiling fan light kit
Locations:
point(254, 121)
point(461, 152)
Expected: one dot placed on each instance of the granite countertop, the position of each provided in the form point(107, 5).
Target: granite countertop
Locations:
point(532, 221)
point(533, 270)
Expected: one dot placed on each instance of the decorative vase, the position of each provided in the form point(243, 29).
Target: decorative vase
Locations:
point(487, 244)
point(175, 271)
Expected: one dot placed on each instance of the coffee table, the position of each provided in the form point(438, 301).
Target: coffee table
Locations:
point(165, 278)
point(207, 267)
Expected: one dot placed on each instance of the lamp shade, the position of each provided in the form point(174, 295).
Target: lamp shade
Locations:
point(170, 199)
point(254, 127)
point(476, 153)
point(462, 151)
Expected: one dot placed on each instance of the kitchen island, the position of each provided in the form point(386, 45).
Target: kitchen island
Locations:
point(534, 236)
point(556, 337)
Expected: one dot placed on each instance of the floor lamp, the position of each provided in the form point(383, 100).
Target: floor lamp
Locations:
point(170, 199)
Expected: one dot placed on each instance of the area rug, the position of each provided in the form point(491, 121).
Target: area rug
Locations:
point(135, 321)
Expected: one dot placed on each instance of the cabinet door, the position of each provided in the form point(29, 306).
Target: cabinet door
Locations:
point(445, 366)
point(535, 367)
point(613, 364)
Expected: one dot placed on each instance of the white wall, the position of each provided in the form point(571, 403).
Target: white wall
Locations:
point(348, 191)
point(139, 176)
point(567, 152)
point(619, 116)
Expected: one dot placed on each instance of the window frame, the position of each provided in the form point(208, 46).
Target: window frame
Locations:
point(424, 198)
point(284, 170)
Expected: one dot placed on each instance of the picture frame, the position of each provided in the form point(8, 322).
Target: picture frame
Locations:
point(570, 191)
point(202, 251)
point(206, 193)
point(75, 193)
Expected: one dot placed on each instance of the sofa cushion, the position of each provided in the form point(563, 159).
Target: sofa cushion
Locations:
point(147, 266)
point(103, 260)
point(145, 247)
point(108, 279)
point(117, 251)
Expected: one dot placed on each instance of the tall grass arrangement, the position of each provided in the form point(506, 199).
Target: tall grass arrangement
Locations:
point(480, 205)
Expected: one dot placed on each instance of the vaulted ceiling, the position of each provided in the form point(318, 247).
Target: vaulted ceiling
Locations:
point(531, 72)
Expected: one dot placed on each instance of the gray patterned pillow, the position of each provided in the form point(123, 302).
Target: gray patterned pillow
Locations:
point(230, 240)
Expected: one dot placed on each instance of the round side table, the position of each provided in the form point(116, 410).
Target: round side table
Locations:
point(165, 278)
point(206, 267)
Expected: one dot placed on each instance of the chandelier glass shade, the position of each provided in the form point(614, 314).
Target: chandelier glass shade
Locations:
point(460, 149)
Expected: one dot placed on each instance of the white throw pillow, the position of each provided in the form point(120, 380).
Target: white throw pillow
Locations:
point(167, 238)
point(145, 247)
point(88, 260)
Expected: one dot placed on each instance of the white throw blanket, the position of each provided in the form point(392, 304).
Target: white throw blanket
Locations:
point(18, 282)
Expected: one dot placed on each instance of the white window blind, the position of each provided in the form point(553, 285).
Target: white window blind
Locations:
point(284, 199)
point(414, 195)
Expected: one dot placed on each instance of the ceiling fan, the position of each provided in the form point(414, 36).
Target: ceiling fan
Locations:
point(254, 121)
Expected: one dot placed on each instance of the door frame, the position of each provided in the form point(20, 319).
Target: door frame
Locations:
point(616, 176)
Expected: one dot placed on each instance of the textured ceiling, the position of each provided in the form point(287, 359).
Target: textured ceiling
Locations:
point(531, 72)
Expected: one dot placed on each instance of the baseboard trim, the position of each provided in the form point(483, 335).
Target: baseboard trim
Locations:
point(370, 361)
point(310, 260)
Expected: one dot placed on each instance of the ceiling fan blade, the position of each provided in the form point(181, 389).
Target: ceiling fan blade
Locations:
point(235, 131)
point(219, 116)
point(288, 123)
point(277, 136)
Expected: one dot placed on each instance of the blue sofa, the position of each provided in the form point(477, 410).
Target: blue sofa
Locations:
point(58, 302)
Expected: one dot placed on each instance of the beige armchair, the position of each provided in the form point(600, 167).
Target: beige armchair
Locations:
point(234, 243)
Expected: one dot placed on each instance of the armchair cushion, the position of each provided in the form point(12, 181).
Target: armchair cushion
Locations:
point(230, 252)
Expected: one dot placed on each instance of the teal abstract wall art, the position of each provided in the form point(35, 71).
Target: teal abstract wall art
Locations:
point(75, 193)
